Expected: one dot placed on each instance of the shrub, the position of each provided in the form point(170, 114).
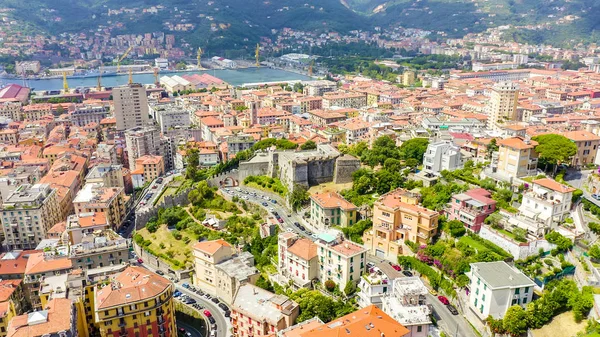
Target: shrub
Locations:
point(329, 285)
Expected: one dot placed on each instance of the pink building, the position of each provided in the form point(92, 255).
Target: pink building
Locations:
point(471, 208)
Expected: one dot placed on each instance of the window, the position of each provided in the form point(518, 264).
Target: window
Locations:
point(526, 290)
point(419, 328)
point(475, 302)
point(517, 291)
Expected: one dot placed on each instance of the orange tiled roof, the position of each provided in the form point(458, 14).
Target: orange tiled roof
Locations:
point(304, 248)
point(332, 200)
point(37, 263)
point(553, 185)
point(134, 284)
point(211, 247)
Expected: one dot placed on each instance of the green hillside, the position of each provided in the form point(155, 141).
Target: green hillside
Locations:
point(238, 24)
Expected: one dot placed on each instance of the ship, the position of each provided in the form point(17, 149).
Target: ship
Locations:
point(93, 73)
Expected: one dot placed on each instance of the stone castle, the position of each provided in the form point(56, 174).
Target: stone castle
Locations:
point(305, 168)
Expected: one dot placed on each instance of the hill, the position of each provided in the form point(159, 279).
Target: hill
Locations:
point(238, 24)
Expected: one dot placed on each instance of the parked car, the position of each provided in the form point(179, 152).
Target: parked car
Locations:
point(185, 285)
point(265, 204)
point(274, 201)
point(190, 301)
point(207, 313)
point(211, 320)
point(433, 292)
point(215, 300)
point(407, 273)
point(227, 313)
point(452, 309)
point(177, 293)
point(596, 196)
point(160, 272)
point(301, 227)
point(140, 261)
point(396, 267)
point(444, 300)
point(223, 306)
point(280, 220)
point(370, 265)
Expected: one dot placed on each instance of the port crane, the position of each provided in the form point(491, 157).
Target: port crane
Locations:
point(99, 85)
point(310, 67)
point(257, 55)
point(156, 81)
point(65, 83)
point(123, 57)
point(130, 80)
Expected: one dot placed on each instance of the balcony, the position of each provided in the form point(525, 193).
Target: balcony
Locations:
point(422, 236)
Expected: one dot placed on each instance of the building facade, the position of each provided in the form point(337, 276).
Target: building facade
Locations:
point(329, 209)
point(130, 106)
point(340, 260)
point(471, 208)
point(442, 156)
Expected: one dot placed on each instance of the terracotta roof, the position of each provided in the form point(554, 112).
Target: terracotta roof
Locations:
point(580, 135)
point(304, 248)
point(366, 322)
point(134, 284)
point(4, 308)
point(37, 264)
point(59, 228)
point(332, 200)
point(58, 319)
point(211, 247)
point(91, 220)
point(517, 143)
point(7, 288)
point(553, 185)
point(15, 262)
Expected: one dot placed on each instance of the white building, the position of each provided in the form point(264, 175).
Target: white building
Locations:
point(546, 202)
point(372, 287)
point(176, 84)
point(495, 287)
point(171, 117)
point(223, 62)
point(443, 155)
point(406, 303)
point(142, 141)
point(86, 114)
point(298, 260)
point(340, 260)
point(161, 63)
point(208, 157)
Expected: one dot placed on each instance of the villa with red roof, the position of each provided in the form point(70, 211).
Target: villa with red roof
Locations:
point(471, 208)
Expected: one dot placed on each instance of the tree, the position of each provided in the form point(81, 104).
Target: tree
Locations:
point(594, 252)
point(309, 145)
point(520, 234)
point(298, 197)
point(350, 288)
point(455, 228)
point(514, 321)
point(414, 148)
point(329, 285)
point(555, 149)
point(491, 148)
point(192, 159)
point(263, 283)
point(562, 243)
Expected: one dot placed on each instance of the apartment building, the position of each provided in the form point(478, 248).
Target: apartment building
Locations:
point(318, 88)
point(27, 214)
point(407, 304)
point(298, 261)
point(340, 260)
point(502, 105)
point(130, 106)
point(471, 208)
point(34, 112)
point(398, 217)
point(171, 117)
point(344, 100)
point(356, 130)
point(95, 198)
point(234, 273)
point(151, 166)
point(329, 209)
point(110, 175)
point(39, 266)
point(258, 312)
point(57, 319)
point(207, 255)
point(587, 147)
point(323, 117)
point(440, 156)
point(517, 157)
point(11, 110)
point(495, 287)
point(83, 115)
point(143, 141)
point(546, 202)
point(137, 302)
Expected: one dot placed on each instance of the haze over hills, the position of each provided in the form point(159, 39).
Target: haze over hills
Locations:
point(236, 23)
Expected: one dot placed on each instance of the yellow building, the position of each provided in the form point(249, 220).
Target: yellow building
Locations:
point(94, 197)
point(517, 157)
point(398, 217)
point(136, 303)
point(587, 147)
point(408, 78)
point(331, 209)
point(153, 166)
point(7, 312)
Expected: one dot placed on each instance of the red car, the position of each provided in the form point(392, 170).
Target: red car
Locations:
point(280, 220)
point(444, 300)
point(140, 261)
point(396, 267)
point(207, 313)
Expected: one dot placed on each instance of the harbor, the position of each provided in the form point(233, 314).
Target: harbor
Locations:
point(236, 77)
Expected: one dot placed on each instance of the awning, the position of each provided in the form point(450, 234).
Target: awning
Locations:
point(528, 213)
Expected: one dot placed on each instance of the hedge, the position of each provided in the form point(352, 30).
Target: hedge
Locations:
point(429, 272)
